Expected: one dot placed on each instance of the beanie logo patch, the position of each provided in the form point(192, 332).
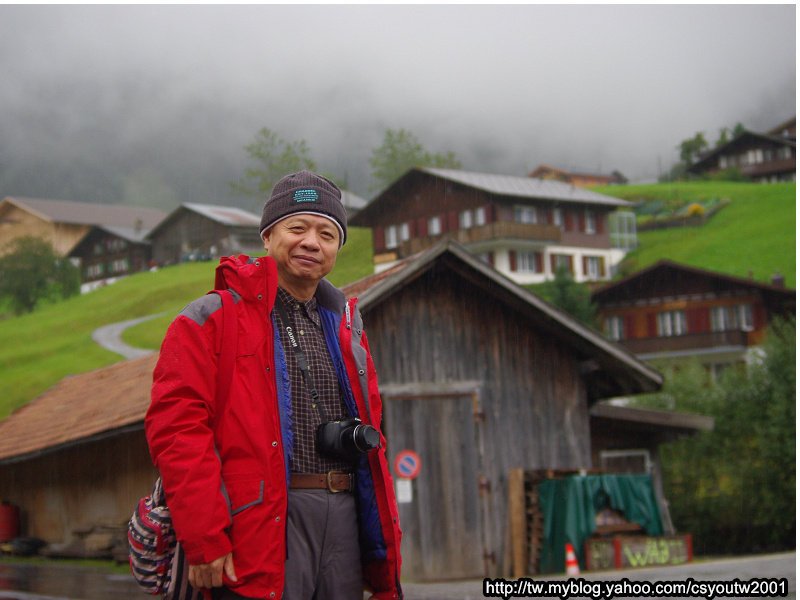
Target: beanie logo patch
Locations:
point(306, 195)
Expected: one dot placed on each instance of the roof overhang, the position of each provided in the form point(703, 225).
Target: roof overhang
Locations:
point(660, 425)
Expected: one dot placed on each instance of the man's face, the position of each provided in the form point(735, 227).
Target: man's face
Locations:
point(304, 246)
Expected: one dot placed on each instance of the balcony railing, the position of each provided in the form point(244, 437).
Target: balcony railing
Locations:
point(692, 341)
point(493, 231)
point(766, 168)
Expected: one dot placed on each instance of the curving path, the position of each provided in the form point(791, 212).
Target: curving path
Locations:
point(109, 337)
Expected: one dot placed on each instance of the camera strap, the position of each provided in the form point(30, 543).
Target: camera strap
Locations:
point(302, 361)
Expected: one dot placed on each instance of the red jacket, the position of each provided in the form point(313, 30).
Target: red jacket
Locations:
point(225, 471)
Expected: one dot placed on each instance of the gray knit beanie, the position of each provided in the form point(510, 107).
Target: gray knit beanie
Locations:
point(305, 193)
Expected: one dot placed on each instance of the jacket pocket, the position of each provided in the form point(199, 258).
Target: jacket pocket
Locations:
point(244, 494)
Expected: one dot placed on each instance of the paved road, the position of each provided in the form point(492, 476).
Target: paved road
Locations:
point(109, 337)
point(54, 582)
point(745, 568)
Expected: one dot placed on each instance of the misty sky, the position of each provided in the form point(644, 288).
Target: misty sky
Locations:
point(116, 102)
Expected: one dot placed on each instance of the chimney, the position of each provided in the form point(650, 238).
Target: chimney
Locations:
point(778, 280)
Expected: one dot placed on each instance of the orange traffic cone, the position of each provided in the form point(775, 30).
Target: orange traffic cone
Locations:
point(573, 569)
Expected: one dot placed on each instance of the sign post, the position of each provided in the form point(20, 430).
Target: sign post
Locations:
point(407, 465)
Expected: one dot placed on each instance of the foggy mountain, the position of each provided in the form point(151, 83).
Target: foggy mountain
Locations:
point(153, 105)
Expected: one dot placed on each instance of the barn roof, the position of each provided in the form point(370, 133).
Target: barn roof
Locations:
point(86, 213)
point(610, 369)
point(230, 216)
point(226, 215)
point(79, 408)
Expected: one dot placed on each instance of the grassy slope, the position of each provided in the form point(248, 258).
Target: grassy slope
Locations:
point(756, 232)
point(39, 349)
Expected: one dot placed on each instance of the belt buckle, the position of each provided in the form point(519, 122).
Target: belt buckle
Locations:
point(330, 475)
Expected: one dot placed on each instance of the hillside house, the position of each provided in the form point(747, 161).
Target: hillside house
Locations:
point(671, 312)
point(761, 157)
point(106, 253)
point(525, 228)
point(66, 224)
point(577, 179)
point(204, 232)
point(525, 396)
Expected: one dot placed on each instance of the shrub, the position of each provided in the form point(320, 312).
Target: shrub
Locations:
point(733, 488)
point(31, 271)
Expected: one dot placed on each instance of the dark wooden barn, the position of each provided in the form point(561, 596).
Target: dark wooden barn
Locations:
point(480, 377)
point(204, 232)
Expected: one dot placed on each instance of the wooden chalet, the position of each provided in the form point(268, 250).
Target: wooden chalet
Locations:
point(107, 252)
point(204, 232)
point(670, 312)
point(577, 179)
point(66, 224)
point(479, 377)
point(761, 157)
point(525, 228)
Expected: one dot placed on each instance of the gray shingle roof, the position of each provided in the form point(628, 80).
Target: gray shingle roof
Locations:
point(86, 213)
point(227, 215)
point(130, 234)
point(526, 187)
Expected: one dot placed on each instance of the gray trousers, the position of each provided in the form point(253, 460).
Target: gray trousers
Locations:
point(324, 560)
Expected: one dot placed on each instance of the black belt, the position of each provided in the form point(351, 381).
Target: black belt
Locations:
point(333, 481)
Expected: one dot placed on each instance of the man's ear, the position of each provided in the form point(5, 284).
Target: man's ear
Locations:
point(265, 238)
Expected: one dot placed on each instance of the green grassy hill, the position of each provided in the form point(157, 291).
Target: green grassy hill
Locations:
point(39, 349)
point(754, 233)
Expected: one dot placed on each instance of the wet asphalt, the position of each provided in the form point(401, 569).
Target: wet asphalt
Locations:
point(56, 582)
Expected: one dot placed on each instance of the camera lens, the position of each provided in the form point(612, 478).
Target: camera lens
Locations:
point(366, 438)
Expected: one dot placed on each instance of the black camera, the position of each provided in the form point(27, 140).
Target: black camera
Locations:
point(347, 438)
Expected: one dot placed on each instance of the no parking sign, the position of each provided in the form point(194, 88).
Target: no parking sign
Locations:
point(407, 464)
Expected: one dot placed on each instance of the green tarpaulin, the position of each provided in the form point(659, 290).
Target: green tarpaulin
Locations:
point(569, 506)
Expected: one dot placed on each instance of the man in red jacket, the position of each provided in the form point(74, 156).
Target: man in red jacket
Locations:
point(282, 488)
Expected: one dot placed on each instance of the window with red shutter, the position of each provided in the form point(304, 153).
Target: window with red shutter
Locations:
point(630, 327)
point(652, 326)
point(512, 260)
point(452, 221)
point(379, 243)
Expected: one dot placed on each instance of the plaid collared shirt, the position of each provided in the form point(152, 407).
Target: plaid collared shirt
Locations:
point(305, 419)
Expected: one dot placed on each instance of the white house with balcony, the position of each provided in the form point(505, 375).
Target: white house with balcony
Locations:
point(525, 228)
